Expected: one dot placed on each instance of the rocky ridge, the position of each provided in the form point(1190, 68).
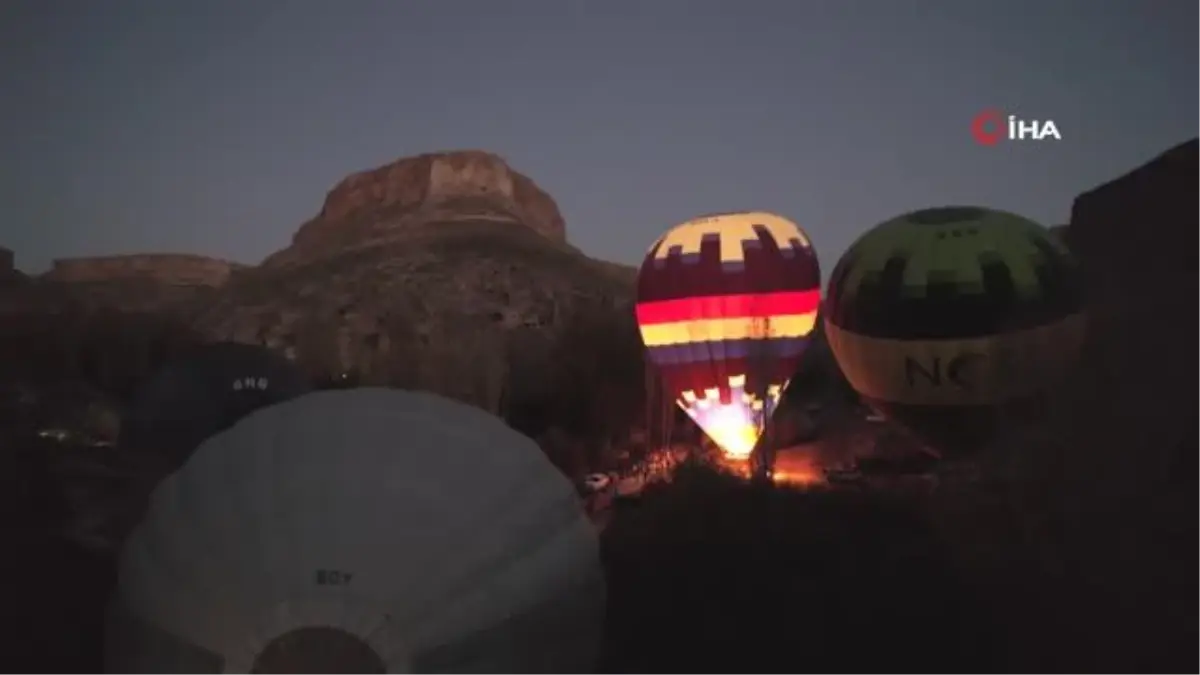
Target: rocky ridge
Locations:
point(448, 272)
point(174, 269)
point(444, 187)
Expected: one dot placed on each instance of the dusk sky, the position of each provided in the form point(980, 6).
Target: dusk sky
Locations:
point(217, 126)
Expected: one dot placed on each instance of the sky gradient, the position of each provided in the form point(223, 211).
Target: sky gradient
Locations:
point(217, 126)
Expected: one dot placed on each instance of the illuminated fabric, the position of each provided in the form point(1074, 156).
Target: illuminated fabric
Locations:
point(364, 527)
point(726, 307)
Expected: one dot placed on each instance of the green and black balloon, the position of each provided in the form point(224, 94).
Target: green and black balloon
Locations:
point(944, 318)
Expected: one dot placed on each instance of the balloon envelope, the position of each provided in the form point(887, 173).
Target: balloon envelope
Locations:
point(203, 392)
point(362, 530)
point(943, 319)
point(726, 305)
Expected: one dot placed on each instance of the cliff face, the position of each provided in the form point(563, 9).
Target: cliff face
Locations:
point(1136, 240)
point(408, 193)
point(465, 308)
point(445, 272)
point(1102, 500)
point(157, 283)
point(170, 269)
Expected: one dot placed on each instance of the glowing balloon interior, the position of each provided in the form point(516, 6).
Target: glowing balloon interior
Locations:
point(726, 306)
point(736, 423)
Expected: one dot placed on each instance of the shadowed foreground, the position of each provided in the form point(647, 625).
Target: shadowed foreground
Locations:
point(712, 574)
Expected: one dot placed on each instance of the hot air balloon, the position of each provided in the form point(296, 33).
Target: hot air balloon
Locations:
point(948, 320)
point(361, 531)
point(726, 305)
point(203, 392)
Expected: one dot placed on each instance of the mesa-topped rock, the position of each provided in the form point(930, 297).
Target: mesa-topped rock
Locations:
point(175, 269)
point(437, 187)
point(446, 272)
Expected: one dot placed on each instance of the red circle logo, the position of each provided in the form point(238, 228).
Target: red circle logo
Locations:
point(988, 127)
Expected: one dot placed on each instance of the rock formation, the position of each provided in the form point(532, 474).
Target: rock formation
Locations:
point(447, 272)
point(466, 307)
point(410, 192)
point(1103, 498)
point(1136, 240)
point(171, 269)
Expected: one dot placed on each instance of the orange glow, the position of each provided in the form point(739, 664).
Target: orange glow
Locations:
point(730, 425)
point(797, 469)
point(807, 477)
point(793, 475)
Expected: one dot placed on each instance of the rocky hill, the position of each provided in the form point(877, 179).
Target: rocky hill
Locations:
point(410, 193)
point(453, 306)
point(448, 272)
point(170, 269)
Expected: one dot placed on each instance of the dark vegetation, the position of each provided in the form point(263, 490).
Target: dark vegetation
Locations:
point(53, 591)
point(711, 574)
point(106, 349)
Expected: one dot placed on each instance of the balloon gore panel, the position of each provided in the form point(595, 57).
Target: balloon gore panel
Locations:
point(949, 319)
point(425, 528)
point(726, 306)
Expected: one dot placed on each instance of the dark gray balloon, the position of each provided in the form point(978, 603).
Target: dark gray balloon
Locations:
point(204, 392)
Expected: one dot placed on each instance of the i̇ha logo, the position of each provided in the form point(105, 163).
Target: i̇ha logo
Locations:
point(992, 126)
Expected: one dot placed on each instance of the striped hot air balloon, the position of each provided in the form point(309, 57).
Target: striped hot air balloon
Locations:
point(726, 305)
point(946, 320)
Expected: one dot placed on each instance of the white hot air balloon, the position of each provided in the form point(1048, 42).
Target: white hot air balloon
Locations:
point(362, 530)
